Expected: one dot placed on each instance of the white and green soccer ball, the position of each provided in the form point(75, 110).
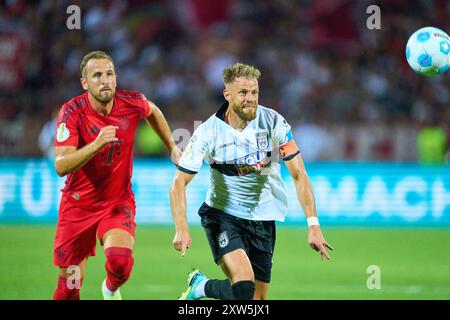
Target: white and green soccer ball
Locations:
point(428, 51)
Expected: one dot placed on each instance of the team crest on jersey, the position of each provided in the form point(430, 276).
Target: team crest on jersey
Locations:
point(63, 133)
point(262, 139)
point(124, 123)
point(223, 239)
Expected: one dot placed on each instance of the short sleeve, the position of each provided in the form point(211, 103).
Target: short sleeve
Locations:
point(146, 110)
point(195, 152)
point(288, 149)
point(66, 127)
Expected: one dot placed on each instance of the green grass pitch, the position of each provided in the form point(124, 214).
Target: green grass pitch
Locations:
point(414, 264)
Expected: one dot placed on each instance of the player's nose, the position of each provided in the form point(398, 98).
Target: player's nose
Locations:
point(250, 97)
point(250, 100)
point(104, 79)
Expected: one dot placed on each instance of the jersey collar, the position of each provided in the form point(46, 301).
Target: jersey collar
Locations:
point(221, 112)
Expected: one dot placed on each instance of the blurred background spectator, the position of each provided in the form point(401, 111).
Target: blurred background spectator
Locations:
point(47, 135)
point(347, 91)
point(432, 144)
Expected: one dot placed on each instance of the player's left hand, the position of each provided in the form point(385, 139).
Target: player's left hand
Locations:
point(317, 242)
point(175, 155)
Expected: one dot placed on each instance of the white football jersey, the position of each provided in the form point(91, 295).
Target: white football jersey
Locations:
point(245, 170)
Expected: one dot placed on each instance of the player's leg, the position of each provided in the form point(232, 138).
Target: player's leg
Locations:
point(116, 233)
point(224, 233)
point(261, 239)
point(237, 266)
point(75, 272)
point(260, 243)
point(261, 290)
point(239, 284)
point(118, 246)
point(74, 243)
point(117, 238)
point(241, 279)
point(70, 280)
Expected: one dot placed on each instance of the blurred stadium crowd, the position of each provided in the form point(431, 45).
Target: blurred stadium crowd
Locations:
point(346, 90)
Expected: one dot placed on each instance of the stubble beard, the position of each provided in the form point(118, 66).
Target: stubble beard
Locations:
point(104, 97)
point(245, 116)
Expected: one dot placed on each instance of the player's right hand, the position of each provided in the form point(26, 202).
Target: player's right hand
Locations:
point(182, 241)
point(106, 135)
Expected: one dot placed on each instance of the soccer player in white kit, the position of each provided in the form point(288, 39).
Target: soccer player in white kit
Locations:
point(242, 143)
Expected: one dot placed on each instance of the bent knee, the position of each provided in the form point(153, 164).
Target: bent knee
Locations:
point(119, 262)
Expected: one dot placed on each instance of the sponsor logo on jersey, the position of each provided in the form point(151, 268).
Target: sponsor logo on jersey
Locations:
point(253, 162)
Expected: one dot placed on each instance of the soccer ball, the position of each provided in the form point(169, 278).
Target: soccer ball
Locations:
point(428, 51)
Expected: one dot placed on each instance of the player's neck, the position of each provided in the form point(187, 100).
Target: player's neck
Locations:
point(234, 120)
point(104, 108)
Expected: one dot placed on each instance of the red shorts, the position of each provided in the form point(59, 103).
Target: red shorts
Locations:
point(76, 229)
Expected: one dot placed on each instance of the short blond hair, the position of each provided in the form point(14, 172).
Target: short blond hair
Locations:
point(240, 70)
point(93, 55)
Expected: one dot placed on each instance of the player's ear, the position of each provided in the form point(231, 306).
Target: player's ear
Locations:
point(83, 83)
point(226, 94)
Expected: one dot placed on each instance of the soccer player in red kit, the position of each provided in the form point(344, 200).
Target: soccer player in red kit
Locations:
point(94, 148)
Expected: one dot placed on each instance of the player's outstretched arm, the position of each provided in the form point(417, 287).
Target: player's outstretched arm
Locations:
point(68, 159)
point(177, 194)
point(159, 123)
point(305, 195)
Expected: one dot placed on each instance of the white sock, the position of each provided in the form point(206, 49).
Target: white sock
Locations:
point(200, 289)
point(108, 292)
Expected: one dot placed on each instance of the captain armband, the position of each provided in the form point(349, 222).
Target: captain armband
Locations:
point(289, 150)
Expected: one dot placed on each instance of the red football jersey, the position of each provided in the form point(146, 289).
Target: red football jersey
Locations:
point(107, 176)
